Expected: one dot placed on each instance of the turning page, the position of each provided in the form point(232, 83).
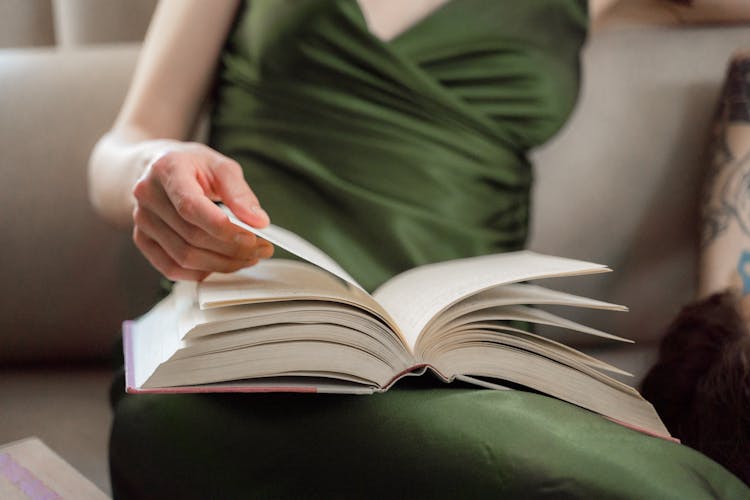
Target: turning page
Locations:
point(295, 244)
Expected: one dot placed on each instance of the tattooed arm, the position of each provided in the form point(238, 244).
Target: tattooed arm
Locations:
point(725, 256)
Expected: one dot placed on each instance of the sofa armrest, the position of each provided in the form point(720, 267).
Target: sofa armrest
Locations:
point(68, 280)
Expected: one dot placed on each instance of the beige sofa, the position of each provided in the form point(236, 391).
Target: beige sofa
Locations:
point(618, 185)
point(68, 278)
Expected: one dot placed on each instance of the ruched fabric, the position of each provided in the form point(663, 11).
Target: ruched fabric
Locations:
point(393, 154)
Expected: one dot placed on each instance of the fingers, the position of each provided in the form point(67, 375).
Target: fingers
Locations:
point(182, 253)
point(178, 227)
point(162, 262)
point(232, 189)
point(192, 204)
point(265, 249)
point(242, 245)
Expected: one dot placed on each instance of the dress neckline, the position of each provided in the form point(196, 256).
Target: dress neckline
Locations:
point(404, 33)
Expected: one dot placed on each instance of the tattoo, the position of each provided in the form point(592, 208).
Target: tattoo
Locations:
point(743, 269)
point(726, 197)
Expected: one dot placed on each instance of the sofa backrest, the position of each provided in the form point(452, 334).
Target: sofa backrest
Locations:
point(72, 23)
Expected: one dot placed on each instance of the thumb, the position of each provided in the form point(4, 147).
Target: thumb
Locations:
point(234, 192)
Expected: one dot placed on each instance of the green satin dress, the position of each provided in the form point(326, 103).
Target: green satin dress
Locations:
point(389, 155)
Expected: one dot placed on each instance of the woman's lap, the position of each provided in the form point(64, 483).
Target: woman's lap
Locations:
point(411, 441)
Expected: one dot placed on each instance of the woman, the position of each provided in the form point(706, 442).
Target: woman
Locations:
point(389, 141)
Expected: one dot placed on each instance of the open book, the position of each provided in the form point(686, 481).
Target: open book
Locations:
point(308, 326)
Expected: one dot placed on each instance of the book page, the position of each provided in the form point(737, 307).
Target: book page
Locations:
point(156, 334)
point(525, 294)
point(415, 297)
point(278, 280)
point(554, 379)
point(200, 322)
point(460, 330)
point(299, 349)
point(272, 280)
point(533, 315)
point(514, 294)
point(296, 245)
point(494, 336)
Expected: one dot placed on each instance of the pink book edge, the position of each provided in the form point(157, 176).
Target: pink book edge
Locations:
point(644, 431)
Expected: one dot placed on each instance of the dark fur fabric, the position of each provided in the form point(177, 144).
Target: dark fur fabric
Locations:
point(700, 384)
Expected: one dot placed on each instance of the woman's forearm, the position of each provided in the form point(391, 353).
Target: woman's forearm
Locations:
point(173, 75)
point(725, 256)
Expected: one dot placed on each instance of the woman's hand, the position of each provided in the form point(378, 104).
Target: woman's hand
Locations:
point(169, 197)
point(178, 227)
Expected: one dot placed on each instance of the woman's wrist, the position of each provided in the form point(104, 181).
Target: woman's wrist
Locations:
point(115, 166)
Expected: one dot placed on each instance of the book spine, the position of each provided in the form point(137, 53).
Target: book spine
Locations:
point(127, 348)
point(415, 371)
point(647, 432)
